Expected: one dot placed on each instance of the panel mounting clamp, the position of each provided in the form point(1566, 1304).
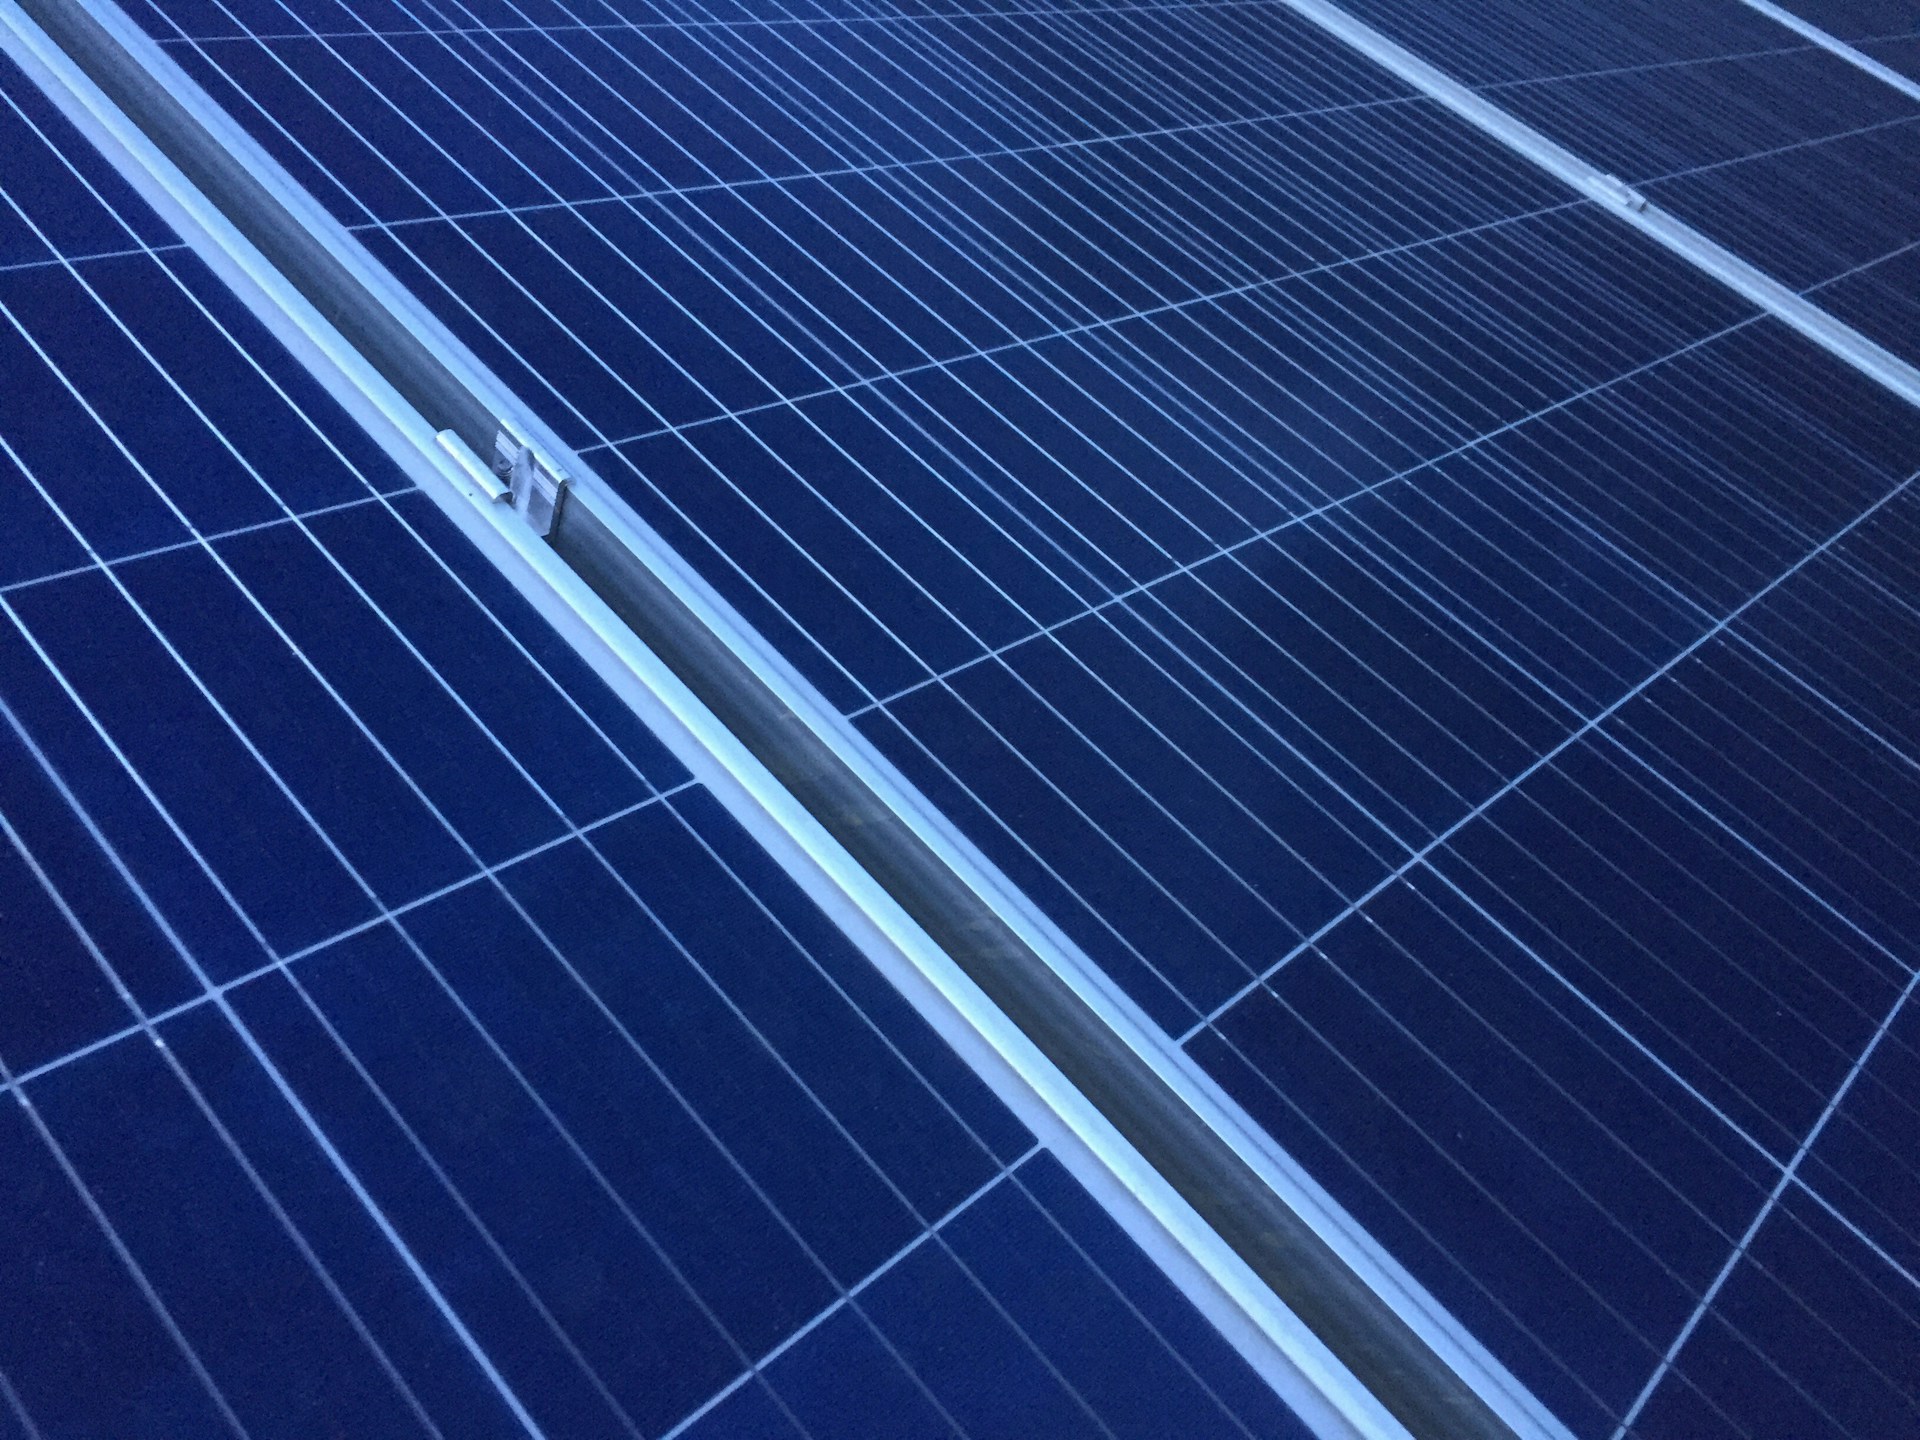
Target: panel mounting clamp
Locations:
point(1616, 191)
point(538, 486)
point(484, 480)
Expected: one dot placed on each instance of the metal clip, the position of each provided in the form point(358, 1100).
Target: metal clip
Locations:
point(1613, 188)
point(488, 483)
point(538, 486)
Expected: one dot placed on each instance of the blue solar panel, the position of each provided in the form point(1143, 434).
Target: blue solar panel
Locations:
point(1794, 158)
point(371, 1069)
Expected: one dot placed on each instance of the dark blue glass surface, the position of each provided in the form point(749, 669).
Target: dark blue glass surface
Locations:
point(394, 1040)
point(892, 1363)
point(86, 1351)
point(70, 203)
point(1806, 1286)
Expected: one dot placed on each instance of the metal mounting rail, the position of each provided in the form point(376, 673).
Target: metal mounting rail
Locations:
point(1397, 1362)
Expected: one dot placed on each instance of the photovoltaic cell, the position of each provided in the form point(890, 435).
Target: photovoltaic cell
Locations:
point(395, 1040)
point(1677, 932)
point(1791, 156)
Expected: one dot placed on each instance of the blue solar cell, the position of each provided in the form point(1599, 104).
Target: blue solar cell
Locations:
point(140, 837)
point(981, 1376)
point(85, 1353)
point(130, 942)
point(796, 1150)
point(848, 1376)
point(39, 543)
point(602, 1282)
point(198, 328)
point(1861, 1163)
point(1805, 1286)
point(71, 203)
point(1858, 19)
point(755, 1274)
point(201, 1233)
point(229, 808)
point(1095, 1338)
point(452, 762)
point(57, 997)
point(496, 1308)
point(112, 511)
point(584, 734)
point(1850, 635)
point(1776, 996)
point(1765, 755)
point(412, 1344)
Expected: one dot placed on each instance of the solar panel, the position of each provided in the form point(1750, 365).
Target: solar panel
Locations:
point(371, 1073)
point(1788, 154)
point(1442, 655)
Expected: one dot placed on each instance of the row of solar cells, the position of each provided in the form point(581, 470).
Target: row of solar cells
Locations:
point(1327, 566)
point(393, 1039)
